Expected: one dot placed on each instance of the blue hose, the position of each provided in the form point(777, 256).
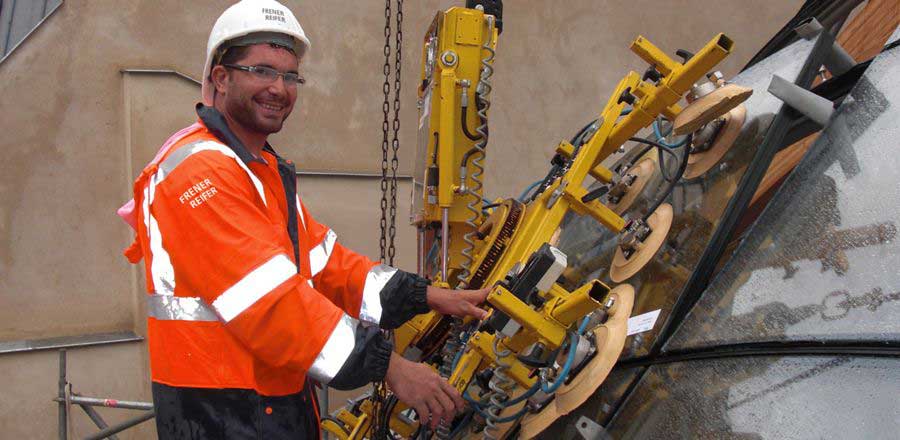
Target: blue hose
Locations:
point(561, 377)
point(459, 353)
point(529, 189)
point(661, 138)
point(583, 326)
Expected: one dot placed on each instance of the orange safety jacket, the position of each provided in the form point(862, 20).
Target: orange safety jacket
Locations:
point(248, 291)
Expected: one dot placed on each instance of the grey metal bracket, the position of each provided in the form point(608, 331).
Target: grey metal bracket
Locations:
point(837, 60)
point(591, 430)
point(813, 106)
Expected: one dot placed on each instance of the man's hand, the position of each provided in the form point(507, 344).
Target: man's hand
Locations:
point(420, 387)
point(460, 303)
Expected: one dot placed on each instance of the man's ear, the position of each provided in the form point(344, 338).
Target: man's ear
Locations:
point(219, 75)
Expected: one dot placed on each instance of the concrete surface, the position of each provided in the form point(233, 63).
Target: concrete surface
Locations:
point(77, 130)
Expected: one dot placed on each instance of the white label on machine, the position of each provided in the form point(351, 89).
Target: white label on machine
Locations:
point(643, 322)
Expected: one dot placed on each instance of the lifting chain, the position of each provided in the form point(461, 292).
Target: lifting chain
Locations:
point(381, 418)
point(389, 184)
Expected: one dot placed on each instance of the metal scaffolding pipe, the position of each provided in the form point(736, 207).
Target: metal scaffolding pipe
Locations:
point(61, 397)
point(122, 426)
point(110, 403)
point(97, 419)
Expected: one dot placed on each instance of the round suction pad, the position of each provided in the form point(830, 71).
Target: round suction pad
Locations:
point(643, 171)
point(710, 107)
point(624, 268)
point(701, 162)
point(610, 340)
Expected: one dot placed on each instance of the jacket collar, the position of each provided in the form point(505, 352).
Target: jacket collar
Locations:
point(216, 124)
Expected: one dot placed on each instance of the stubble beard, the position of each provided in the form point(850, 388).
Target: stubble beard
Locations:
point(243, 111)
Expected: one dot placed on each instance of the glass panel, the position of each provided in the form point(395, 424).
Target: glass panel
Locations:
point(765, 398)
point(19, 18)
point(698, 206)
point(599, 407)
point(821, 262)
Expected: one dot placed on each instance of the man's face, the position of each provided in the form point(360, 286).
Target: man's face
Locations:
point(259, 105)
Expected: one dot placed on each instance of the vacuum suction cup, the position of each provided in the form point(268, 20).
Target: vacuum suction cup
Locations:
point(702, 161)
point(610, 340)
point(709, 107)
point(642, 171)
point(623, 267)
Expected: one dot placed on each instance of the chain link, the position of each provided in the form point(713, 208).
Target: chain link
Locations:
point(395, 140)
point(385, 109)
point(381, 421)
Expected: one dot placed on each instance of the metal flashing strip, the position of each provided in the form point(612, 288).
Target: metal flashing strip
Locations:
point(29, 345)
point(349, 174)
point(161, 72)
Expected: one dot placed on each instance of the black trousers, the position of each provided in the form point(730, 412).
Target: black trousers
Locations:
point(202, 413)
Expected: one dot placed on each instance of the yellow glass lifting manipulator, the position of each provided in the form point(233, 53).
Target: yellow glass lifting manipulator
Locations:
point(531, 316)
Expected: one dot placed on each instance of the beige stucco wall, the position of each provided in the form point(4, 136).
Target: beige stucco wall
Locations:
point(76, 130)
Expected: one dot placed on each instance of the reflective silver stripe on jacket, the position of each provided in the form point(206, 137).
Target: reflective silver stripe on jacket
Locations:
point(321, 253)
point(179, 308)
point(376, 279)
point(178, 156)
point(336, 350)
point(253, 286)
point(161, 270)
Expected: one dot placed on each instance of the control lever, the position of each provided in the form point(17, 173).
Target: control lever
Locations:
point(685, 55)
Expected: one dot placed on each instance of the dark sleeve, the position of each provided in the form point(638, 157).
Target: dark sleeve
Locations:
point(367, 363)
point(402, 298)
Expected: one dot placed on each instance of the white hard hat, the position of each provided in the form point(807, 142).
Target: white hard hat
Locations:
point(250, 17)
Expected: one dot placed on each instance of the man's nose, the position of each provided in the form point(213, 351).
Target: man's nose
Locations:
point(278, 86)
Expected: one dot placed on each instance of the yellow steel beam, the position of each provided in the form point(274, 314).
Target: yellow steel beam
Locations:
point(549, 330)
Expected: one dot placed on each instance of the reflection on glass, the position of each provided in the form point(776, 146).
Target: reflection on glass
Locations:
point(698, 207)
point(765, 398)
point(599, 408)
point(822, 261)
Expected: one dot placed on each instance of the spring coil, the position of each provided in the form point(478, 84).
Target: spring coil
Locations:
point(448, 354)
point(483, 103)
point(499, 385)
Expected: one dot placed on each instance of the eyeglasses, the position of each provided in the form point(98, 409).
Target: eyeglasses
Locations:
point(269, 74)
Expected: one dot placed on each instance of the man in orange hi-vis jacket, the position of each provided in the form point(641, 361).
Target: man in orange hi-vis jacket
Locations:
point(250, 297)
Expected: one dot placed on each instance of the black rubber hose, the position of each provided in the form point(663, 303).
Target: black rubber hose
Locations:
point(467, 156)
point(662, 149)
point(655, 144)
point(671, 184)
point(385, 416)
point(576, 140)
point(465, 126)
